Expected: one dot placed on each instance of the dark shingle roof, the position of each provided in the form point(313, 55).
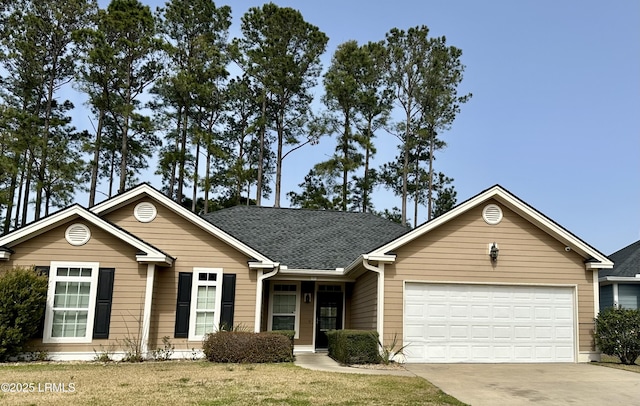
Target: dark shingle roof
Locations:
point(627, 262)
point(306, 239)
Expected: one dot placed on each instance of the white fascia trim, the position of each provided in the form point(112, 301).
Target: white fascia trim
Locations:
point(142, 189)
point(41, 226)
point(598, 265)
point(46, 224)
point(311, 272)
point(386, 258)
point(4, 255)
point(619, 279)
point(513, 203)
point(263, 265)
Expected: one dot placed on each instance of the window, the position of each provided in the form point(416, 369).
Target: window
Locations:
point(205, 302)
point(71, 302)
point(284, 307)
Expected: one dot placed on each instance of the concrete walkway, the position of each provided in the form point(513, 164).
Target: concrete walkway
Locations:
point(528, 384)
point(322, 362)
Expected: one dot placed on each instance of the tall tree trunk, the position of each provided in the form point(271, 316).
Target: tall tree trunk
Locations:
point(10, 200)
point(367, 157)
point(239, 182)
point(124, 151)
point(174, 163)
point(432, 146)
point(112, 172)
point(280, 129)
point(27, 187)
point(195, 178)
point(96, 159)
point(263, 129)
point(405, 169)
point(182, 157)
point(416, 192)
point(45, 141)
point(345, 153)
point(207, 182)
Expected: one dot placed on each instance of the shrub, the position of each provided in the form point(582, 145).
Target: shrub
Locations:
point(354, 346)
point(23, 295)
point(618, 333)
point(245, 347)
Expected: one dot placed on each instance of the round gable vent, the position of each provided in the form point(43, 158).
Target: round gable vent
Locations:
point(145, 212)
point(492, 214)
point(77, 234)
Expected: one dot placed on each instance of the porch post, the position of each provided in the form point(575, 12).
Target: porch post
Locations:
point(148, 300)
point(379, 269)
point(256, 323)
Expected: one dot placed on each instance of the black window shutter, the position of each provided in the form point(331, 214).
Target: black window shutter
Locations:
point(183, 305)
point(103, 303)
point(44, 270)
point(228, 300)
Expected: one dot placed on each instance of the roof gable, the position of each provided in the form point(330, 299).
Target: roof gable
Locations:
point(626, 262)
point(307, 239)
point(145, 189)
point(594, 257)
point(148, 253)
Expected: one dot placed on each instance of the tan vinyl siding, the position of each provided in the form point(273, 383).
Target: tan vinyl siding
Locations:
point(109, 252)
point(305, 336)
point(364, 302)
point(457, 251)
point(192, 247)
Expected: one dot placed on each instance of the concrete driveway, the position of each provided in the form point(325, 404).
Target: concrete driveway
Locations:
point(527, 384)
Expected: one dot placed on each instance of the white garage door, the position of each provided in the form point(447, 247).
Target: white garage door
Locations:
point(487, 323)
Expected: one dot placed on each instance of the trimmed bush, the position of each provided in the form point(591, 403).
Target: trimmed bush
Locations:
point(244, 347)
point(618, 333)
point(23, 296)
point(354, 346)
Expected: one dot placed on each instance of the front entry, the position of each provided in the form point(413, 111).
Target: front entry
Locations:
point(328, 315)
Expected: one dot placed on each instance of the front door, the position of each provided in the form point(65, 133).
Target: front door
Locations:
point(328, 316)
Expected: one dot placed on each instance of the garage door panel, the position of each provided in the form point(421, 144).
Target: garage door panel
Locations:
point(486, 323)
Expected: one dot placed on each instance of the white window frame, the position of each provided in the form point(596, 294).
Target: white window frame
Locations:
point(194, 300)
point(271, 303)
point(91, 309)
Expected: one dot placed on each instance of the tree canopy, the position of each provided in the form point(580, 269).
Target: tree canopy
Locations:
point(215, 117)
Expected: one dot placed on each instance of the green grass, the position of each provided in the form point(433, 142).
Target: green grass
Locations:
point(203, 383)
point(614, 362)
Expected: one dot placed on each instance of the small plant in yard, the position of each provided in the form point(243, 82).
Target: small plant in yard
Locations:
point(389, 352)
point(618, 333)
point(23, 294)
point(132, 343)
point(104, 355)
point(164, 353)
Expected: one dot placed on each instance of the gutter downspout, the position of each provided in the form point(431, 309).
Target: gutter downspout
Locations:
point(379, 269)
point(261, 277)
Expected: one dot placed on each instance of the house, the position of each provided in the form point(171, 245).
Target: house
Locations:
point(620, 286)
point(492, 280)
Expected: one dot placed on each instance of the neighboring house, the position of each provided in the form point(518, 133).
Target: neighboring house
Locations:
point(620, 286)
point(492, 280)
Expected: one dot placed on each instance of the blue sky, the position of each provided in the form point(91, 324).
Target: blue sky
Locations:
point(555, 113)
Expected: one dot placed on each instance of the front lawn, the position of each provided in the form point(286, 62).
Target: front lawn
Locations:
point(204, 383)
point(614, 362)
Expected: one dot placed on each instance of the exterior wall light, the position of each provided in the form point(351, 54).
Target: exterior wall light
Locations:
point(493, 252)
